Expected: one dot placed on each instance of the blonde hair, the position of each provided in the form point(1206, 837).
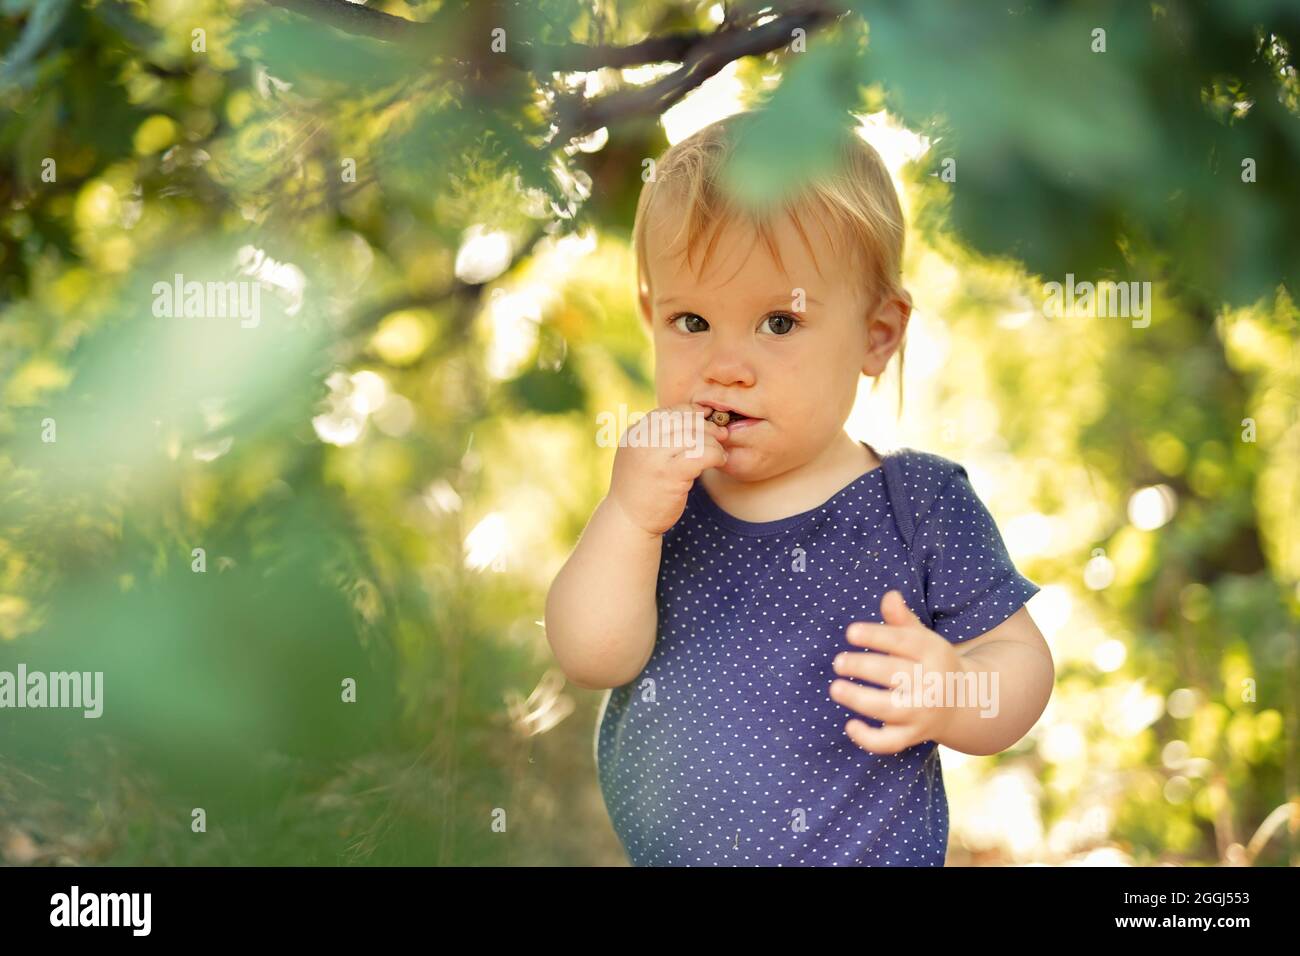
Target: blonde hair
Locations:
point(857, 198)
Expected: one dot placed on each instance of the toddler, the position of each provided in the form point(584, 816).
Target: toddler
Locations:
point(789, 620)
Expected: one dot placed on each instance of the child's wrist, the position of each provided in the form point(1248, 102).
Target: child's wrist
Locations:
point(625, 519)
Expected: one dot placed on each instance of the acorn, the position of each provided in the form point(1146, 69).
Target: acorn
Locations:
point(720, 417)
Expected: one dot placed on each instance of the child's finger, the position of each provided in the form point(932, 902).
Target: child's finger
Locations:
point(905, 642)
point(703, 452)
point(714, 429)
point(880, 669)
point(867, 701)
point(697, 422)
point(715, 456)
point(890, 739)
point(894, 610)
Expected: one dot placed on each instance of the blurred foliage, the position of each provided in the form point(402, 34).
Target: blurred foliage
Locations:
point(386, 470)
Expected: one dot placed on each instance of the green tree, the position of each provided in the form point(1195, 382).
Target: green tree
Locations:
point(384, 470)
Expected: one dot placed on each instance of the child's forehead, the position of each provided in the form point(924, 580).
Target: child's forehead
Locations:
point(736, 249)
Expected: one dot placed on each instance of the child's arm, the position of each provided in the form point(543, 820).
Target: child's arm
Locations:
point(1017, 653)
point(988, 696)
point(995, 680)
point(601, 615)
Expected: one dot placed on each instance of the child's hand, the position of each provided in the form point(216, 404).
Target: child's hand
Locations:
point(905, 643)
point(653, 476)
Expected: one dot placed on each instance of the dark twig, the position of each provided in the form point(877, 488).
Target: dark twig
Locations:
point(579, 116)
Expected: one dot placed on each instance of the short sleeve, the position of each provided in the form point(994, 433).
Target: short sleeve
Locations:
point(971, 585)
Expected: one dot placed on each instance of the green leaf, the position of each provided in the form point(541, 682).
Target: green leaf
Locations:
point(796, 136)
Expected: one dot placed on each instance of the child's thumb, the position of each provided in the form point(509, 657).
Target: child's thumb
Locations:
point(894, 610)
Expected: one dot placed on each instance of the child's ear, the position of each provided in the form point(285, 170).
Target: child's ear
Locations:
point(886, 326)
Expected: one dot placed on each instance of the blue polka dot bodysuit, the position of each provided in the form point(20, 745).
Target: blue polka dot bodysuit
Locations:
point(727, 750)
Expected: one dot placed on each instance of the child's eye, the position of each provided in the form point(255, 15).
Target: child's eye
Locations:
point(688, 315)
point(697, 324)
point(788, 322)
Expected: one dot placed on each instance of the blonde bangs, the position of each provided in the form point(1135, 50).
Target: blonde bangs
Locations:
point(857, 206)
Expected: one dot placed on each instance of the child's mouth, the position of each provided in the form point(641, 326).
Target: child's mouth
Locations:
point(728, 419)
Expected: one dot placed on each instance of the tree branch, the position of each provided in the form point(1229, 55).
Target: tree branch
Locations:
point(707, 56)
point(565, 57)
point(701, 54)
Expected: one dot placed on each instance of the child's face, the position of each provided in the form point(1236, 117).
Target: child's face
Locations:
point(798, 380)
